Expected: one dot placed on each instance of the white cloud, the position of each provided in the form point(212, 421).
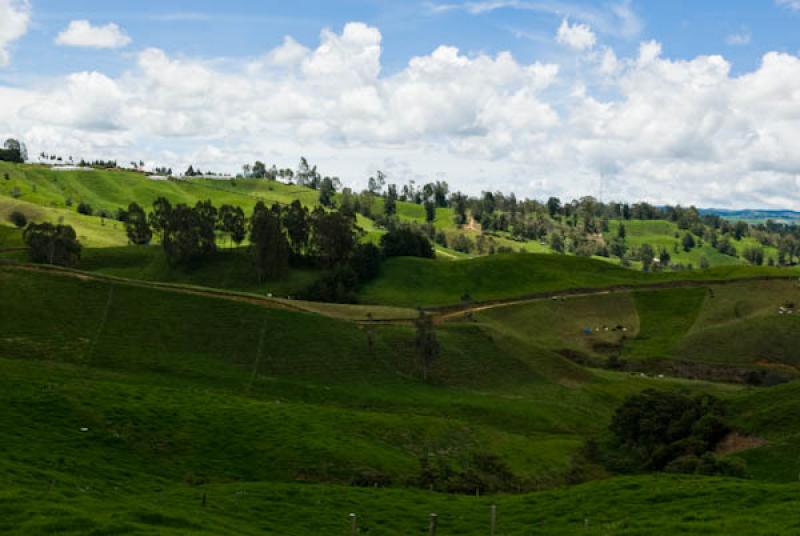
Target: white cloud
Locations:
point(741, 38)
point(615, 19)
point(14, 19)
point(576, 36)
point(660, 129)
point(81, 33)
point(791, 4)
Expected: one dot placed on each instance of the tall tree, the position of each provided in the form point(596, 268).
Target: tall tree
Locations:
point(136, 226)
point(268, 243)
point(52, 244)
point(327, 190)
point(430, 211)
point(297, 224)
point(231, 220)
point(159, 217)
point(333, 236)
point(390, 202)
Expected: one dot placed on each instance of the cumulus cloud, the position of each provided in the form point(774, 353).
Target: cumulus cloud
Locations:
point(81, 33)
point(576, 36)
point(741, 38)
point(14, 19)
point(665, 130)
point(791, 4)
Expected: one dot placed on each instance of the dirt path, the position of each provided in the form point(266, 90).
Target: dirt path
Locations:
point(441, 314)
point(444, 314)
point(272, 303)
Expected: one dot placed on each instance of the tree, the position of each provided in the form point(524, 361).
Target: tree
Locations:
point(754, 256)
point(621, 231)
point(136, 226)
point(390, 203)
point(553, 206)
point(618, 247)
point(375, 184)
point(269, 245)
point(52, 244)
point(366, 262)
point(327, 189)
point(430, 211)
point(459, 202)
point(556, 243)
point(259, 170)
point(189, 233)
point(18, 219)
point(159, 218)
point(14, 151)
point(85, 209)
point(297, 224)
point(664, 258)
point(406, 242)
point(646, 255)
point(333, 236)
point(688, 242)
point(231, 220)
point(426, 343)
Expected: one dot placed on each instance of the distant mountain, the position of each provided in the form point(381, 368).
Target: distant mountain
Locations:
point(754, 215)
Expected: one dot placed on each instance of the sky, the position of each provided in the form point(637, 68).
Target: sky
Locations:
point(668, 101)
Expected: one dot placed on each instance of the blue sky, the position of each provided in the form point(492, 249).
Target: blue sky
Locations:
point(241, 28)
point(360, 85)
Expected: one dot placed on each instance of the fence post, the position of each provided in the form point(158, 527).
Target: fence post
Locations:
point(432, 531)
point(353, 524)
point(494, 520)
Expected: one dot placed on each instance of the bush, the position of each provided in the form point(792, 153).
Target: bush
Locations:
point(85, 208)
point(18, 219)
point(653, 429)
point(52, 244)
point(406, 242)
point(366, 262)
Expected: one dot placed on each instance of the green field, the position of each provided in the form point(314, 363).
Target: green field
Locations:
point(139, 398)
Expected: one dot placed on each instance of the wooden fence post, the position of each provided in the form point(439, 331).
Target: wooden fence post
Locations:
point(432, 531)
point(353, 524)
point(494, 520)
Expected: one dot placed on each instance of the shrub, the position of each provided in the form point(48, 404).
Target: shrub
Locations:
point(18, 219)
point(85, 208)
point(52, 244)
point(406, 242)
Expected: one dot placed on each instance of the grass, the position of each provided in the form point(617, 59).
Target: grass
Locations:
point(665, 317)
point(183, 395)
point(411, 282)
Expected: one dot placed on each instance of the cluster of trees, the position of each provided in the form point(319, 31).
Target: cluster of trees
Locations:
point(14, 151)
point(663, 431)
point(52, 244)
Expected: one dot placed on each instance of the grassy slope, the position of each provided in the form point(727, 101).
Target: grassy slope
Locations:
point(177, 390)
point(419, 282)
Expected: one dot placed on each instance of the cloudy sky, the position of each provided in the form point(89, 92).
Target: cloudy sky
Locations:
point(673, 101)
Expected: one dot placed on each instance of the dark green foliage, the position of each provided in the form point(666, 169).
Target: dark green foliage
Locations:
point(430, 211)
point(390, 202)
point(653, 429)
point(189, 233)
point(269, 245)
point(333, 236)
point(52, 244)
point(159, 218)
point(754, 256)
point(327, 190)
point(85, 209)
point(366, 262)
point(231, 220)
point(297, 224)
point(337, 285)
point(647, 255)
point(18, 219)
point(688, 242)
point(136, 225)
point(406, 242)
